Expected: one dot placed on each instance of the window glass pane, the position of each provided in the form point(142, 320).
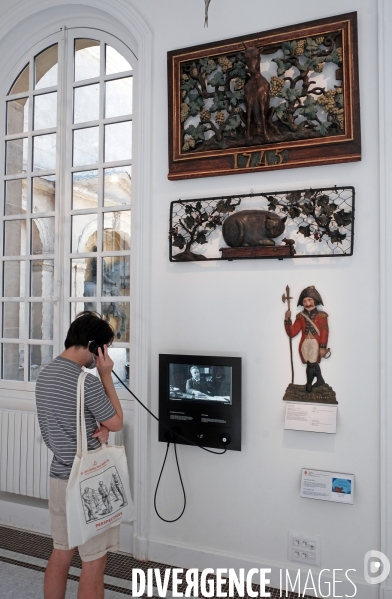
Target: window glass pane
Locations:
point(46, 68)
point(117, 231)
point(115, 275)
point(117, 186)
point(16, 152)
point(22, 82)
point(117, 315)
point(84, 190)
point(118, 97)
point(15, 196)
point(78, 307)
point(118, 141)
point(84, 278)
point(42, 235)
point(44, 147)
point(40, 356)
point(84, 233)
point(17, 116)
point(41, 320)
point(14, 238)
point(13, 320)
point(14, 278)
point(44, 190)
point(45, 111)
point(87, 59)
point(85, 150)
point(86, 103)
point(42, 278)
point(13, 361)
point(120, 357)
point(115, 62)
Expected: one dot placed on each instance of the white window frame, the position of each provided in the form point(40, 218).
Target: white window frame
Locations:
point(61, 300)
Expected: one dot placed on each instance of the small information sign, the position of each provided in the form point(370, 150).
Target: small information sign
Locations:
point(319, 418)
point(327, 486)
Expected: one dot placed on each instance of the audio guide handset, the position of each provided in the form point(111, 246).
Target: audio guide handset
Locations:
point(93, 347)
point(172, 434)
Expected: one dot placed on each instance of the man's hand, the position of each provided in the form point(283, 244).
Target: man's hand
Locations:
point(287, 315)
point(322, 352)
point(102, 434)
point(104, 363)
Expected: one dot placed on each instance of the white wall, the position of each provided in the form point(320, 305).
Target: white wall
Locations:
point(244, 504)
point(241, 506)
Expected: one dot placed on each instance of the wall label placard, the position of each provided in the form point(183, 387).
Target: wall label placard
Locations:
point(327, 486)
point(318, 418)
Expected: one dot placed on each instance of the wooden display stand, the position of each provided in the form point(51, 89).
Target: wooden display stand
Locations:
point(269, 251)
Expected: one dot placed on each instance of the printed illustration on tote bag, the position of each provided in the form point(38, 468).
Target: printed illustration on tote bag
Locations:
point(102, 494)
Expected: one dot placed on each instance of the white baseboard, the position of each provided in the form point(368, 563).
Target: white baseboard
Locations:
point(32, 515)
point(184, 556)
point(27, 517)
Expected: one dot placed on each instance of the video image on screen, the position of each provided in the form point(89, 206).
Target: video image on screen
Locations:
point(193, 382)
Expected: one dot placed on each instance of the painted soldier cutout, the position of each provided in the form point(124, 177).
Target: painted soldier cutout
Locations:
point(312, 324)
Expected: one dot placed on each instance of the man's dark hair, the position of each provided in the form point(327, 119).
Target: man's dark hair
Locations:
point(88, 326)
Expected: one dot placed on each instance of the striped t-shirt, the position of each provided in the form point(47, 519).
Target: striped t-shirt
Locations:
point(56, 406)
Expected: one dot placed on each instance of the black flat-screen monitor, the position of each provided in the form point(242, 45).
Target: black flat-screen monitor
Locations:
point(200, 399)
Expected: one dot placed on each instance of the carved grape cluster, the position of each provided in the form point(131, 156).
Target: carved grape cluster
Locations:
point(225, 63)
point(300, 49)
point(189, 143)
point(319, 40)
point(319, 67)
point(327, 100)
point(184, 111)
point(205, 115)
point(220, 118)
point(339, 114)
point(239, 83)
point(276, 85)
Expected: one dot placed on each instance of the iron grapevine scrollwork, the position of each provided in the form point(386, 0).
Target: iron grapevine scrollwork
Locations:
point(270, 100)
point(196, 225)
point(297, 224)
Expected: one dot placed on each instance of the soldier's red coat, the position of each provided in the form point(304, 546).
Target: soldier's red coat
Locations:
point(321, 322)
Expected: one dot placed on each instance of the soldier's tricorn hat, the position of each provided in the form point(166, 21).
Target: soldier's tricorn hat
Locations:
point(310, 292)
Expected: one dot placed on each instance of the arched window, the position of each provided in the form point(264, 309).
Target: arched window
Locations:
point(67, 200)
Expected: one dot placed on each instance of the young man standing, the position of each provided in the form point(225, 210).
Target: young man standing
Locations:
point(56, 407)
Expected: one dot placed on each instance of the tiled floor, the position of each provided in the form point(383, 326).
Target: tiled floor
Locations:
point(18, 582)
point(23, 559)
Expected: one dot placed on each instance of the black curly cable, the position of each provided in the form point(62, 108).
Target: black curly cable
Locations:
point(159, 480)
point(167, 450)
point(165, 426)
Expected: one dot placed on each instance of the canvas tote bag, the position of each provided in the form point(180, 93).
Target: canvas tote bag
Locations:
point(98, 495)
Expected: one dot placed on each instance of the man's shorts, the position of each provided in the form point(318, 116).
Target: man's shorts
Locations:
point(98, 546)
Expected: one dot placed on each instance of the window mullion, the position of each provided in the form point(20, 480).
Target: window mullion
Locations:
point(63, 191)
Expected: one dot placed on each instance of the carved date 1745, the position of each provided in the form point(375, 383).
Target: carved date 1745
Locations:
point(258, 159)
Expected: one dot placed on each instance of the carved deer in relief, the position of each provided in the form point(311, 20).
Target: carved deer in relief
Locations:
point(257, 96)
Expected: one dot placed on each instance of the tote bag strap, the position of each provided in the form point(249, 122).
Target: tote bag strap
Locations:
point(81, 435)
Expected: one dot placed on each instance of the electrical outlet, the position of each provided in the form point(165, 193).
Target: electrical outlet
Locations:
point(304, 548)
